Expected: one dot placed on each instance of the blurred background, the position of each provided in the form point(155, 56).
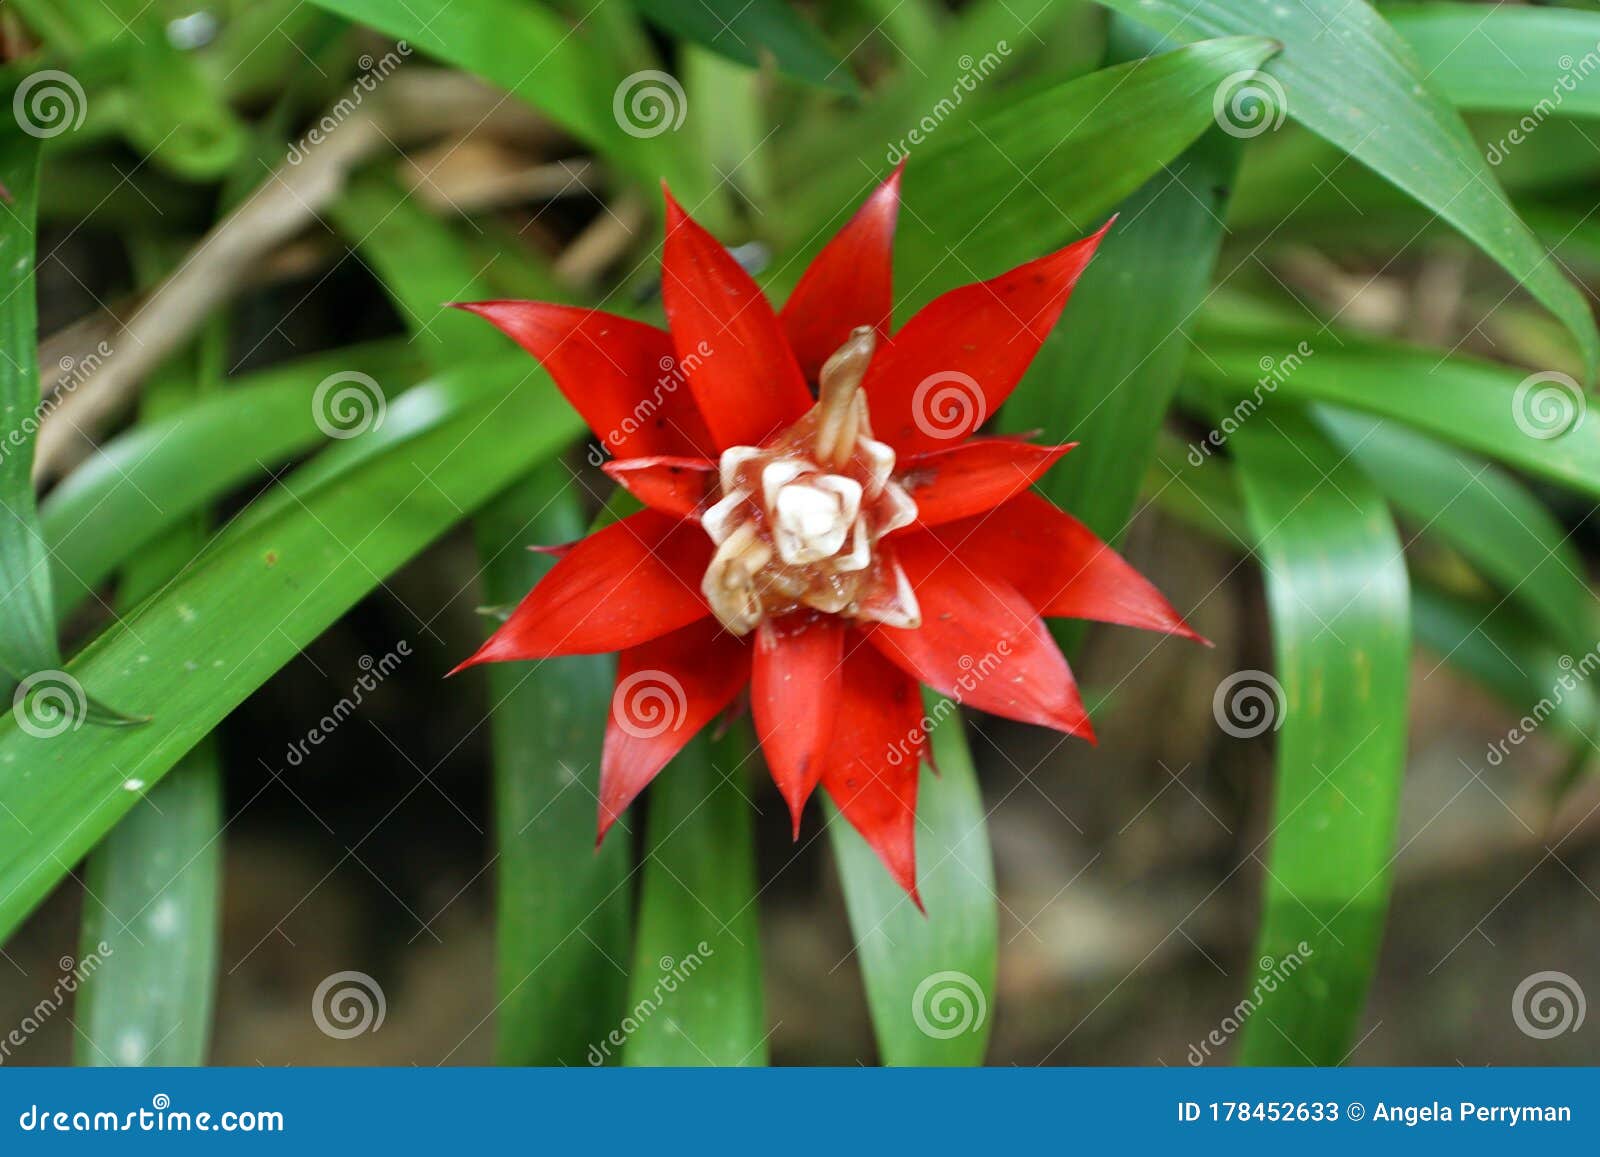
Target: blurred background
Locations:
point(1129, 876)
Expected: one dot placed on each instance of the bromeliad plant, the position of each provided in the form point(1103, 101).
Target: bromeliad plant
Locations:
point(838, 511)
point(787, 548)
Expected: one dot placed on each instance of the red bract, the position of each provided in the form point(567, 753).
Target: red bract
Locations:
point(821, 525)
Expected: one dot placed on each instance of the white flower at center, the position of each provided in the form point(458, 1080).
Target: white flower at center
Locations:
point(812, 518)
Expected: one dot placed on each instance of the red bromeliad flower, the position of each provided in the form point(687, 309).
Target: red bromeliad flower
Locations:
point(820, 524)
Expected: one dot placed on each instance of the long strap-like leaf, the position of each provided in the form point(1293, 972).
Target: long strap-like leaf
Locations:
point(1340, 606)
point(562, 912)
point(696, 993)
point(930, 978)
point(1363, 89)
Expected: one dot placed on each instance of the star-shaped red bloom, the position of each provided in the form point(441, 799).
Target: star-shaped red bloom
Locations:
point(820, 525)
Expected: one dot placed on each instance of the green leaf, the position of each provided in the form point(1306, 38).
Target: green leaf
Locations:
point(1503, 59)
point(269, 585)
point(152, 893)
point(101, 514)
point(1534, 422)
point(1049, 166)
point(126, 76)
point(748, 30)
point(1398, 127)
point(1106, 375)
point(1199, 492)
point(561, 951)
point(1490, 517)
point(153, 887)
point(422, 266)
point(27, 629)
point(930, 979)
point(963, 72)
point(531, 53)
point(695, 996)
point(1337, 593)
point(1496, 644)
point(547, 719)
